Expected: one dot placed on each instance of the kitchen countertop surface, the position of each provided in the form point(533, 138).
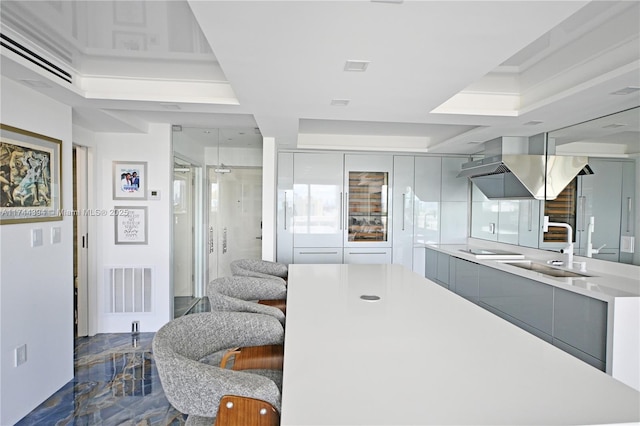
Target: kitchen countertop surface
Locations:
point(422, 355)
point(600, 285)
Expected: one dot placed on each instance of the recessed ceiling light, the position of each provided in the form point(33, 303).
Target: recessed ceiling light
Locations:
point(626, 90)
point(354, 65)
point(613, 126)
point(387, 1)
point(532, 123)
point(474, 143)
point(340, 102)
point(36, 83)
point(170, 106)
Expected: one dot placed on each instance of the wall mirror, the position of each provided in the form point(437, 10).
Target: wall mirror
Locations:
point(601, 208)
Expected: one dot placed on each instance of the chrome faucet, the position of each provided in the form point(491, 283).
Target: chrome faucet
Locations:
point(590, 250)
point(568, 250)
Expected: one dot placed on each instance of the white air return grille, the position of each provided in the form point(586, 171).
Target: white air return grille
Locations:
point(128, 289)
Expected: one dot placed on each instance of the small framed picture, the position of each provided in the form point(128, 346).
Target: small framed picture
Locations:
point(130, 224)
point(30, 176)
point(129, 180)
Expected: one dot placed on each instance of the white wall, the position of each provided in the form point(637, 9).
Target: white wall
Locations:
point(153, 147)
point(36, 284)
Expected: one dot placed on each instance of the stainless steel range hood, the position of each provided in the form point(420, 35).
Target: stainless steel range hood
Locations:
point(523, 168)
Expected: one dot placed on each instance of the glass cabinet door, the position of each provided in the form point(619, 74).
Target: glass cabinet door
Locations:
point(368, 209)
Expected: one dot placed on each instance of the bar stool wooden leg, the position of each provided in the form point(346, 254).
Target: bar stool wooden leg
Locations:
point(238, 410)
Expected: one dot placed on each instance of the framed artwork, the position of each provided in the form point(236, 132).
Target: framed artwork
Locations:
point(130, 224)
point(129, 180)
point(30, 176)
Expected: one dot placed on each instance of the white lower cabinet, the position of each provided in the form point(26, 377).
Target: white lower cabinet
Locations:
point(367, 255)
point(317, 255)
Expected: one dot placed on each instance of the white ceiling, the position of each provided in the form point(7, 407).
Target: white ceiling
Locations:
point(441, 77)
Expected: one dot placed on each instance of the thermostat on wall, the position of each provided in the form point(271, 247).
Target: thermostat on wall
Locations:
point(154, 194)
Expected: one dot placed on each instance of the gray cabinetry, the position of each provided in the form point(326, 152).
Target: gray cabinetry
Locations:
point(570, 321)
point(580, 326)
point(437, 267)
point(431, 264)
point(524, 302)
point(463, 278)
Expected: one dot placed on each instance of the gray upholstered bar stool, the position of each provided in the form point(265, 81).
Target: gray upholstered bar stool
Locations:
point(248, 294)
point(208, 393)
point(259, 268)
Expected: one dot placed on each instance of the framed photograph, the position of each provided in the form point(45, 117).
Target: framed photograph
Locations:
point(130, 224)
point(30, 176)
point(129, 180)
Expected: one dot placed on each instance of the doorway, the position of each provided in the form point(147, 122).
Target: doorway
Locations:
point(187, 242)
point(80, 164)
point(235, 217)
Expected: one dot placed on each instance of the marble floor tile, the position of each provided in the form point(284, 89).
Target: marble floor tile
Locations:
point(115, 383)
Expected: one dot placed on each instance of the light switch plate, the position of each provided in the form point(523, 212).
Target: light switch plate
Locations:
point(56, 235)
point(36, 237)
point(21, 355)
point(154, 194)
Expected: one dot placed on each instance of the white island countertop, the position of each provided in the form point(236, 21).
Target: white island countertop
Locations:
point(422, 355)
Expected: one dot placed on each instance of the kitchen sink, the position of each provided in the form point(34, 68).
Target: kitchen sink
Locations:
point(544, 269)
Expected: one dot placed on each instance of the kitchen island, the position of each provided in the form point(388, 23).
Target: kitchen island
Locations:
point(606, 322)
point(381, 345)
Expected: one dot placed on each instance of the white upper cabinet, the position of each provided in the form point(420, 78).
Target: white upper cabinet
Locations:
point(284, 218)
point(318, 200)
point(428, 175)
point(403, 197)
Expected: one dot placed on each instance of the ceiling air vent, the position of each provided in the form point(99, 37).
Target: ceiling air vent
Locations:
point(33, 57)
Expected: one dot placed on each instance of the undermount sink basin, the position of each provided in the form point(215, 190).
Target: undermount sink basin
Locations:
point(545, 269)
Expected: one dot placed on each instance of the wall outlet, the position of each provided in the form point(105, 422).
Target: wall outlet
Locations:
point(21, 355)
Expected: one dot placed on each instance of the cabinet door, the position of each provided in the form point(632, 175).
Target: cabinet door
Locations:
point(442, 274)
point(431, 264)
point(528, 223)
point(366, 255)
point(453, 187)
point(465, 279)
point(284, 230)
point(581, 322)
point(367, 180)
point(317, 255)
point(627, 242)
point(402, 196)
point(428, 175)
point(318, 200)
point(529, 302)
